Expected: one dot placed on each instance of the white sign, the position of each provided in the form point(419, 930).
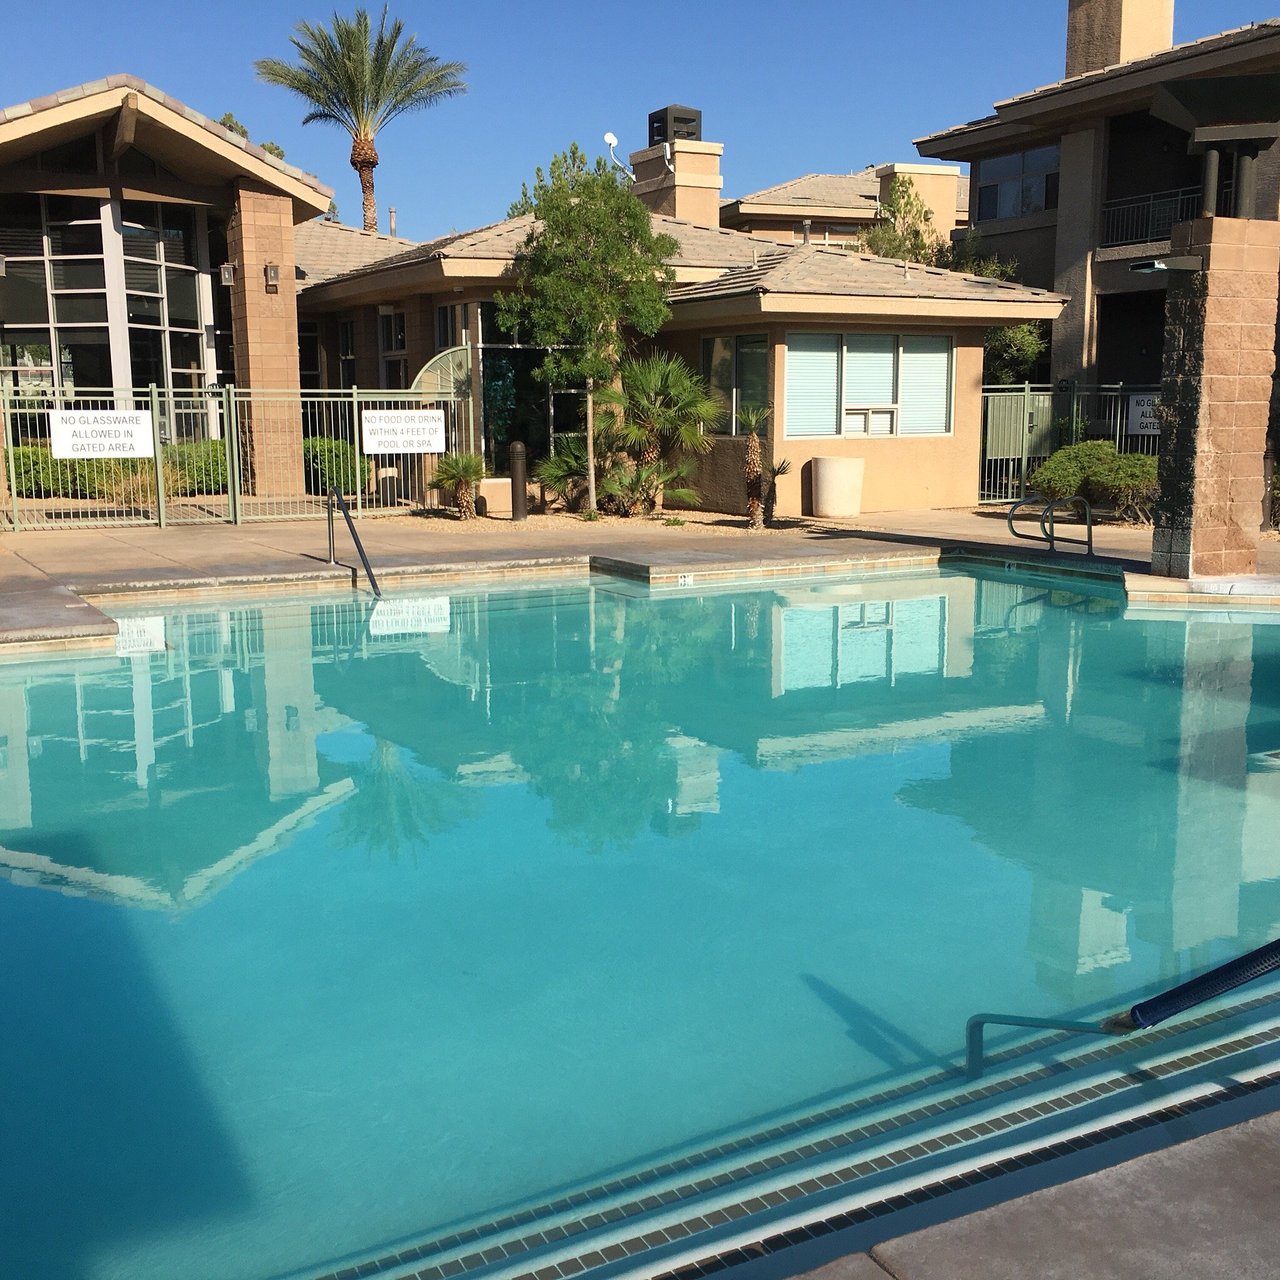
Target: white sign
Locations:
point(410, 617)
point(139, 635)
point(1142, 416)
point(101, 433)
point(402, 430)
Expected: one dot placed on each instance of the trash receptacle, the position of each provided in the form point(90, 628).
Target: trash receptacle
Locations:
point(837, 487)
point(388, 480)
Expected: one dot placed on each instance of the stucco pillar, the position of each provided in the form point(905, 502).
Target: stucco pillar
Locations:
point(1074, 351)
point(264, 328)
point(1219, 355)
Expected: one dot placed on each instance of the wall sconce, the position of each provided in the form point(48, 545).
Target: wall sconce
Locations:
point(1, 264)
point(227, 274)
point(272, 273)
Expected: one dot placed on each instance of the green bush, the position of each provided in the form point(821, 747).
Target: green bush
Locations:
point(198, 466)
point(1128, 483)
point(1065, 474)
point(333, 462)
point(38, 474)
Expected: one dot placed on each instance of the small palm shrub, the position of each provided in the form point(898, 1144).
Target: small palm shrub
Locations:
point(333, 462)
point(564, 473)
point(459, 473)
point(637, 490)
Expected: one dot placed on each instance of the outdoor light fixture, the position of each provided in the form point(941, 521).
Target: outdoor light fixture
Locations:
point(611, 141)
point(272, 273)
point(227, 274)
point(1150, 266)
point(1, 264)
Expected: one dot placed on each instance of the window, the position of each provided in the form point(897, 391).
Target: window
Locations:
point(867, 384)
point(737, 373)
point(446, 328)
point(391, 341)
point(346, 354)
point(1016, 185)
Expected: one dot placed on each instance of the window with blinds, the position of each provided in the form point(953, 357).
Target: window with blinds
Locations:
point(867, 384)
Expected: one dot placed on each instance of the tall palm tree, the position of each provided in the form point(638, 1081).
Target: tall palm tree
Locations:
point(361, 80)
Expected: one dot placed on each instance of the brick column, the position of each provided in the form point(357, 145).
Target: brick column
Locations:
point(1219, 354)
point(264, 327)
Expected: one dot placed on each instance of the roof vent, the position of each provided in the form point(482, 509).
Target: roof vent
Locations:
point(672, 123)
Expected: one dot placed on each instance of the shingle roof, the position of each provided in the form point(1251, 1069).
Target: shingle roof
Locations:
point(699, 246)
point(818, 270)
point(1237, 36)
point(324, 249)
point(135, 85)
point(842, 190)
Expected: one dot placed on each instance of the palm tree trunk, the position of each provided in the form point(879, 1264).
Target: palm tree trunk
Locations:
point(591, 446)
point(364, 159)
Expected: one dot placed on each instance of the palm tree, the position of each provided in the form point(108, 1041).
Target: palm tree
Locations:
point(361, 81)
point(752, 419)
point(665, 408)
point(459, 473)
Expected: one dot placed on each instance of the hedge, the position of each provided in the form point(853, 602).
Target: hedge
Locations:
point(1128, 483)
point(190, 468)
point(1065, 474)
point(333, 462)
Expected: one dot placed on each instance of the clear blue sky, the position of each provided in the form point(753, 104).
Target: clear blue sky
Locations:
point(822, 86)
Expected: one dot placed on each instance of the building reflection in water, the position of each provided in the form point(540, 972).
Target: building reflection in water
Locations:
point(1109, 762)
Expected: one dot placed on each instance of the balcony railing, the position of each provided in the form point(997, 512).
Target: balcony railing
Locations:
point(1142, 219)
point(1147, 218)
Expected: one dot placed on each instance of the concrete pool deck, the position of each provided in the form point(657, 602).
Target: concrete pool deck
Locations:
point(49, 578)
point(1208, 1206)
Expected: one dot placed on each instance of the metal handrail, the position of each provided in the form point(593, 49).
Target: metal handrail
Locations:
point(355, 537)
point(1146, 1013)
point(1047, 518)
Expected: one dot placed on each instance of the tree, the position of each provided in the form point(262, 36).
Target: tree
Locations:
point(459, 473)
point(905, 229)
point(273, 149)
point(362, 80)
point(590, 275)
point(232, 125)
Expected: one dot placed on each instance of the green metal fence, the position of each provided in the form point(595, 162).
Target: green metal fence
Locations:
point(1023, 424)
point(154, 456)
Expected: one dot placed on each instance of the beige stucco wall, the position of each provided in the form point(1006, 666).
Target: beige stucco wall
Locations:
point(901, 474)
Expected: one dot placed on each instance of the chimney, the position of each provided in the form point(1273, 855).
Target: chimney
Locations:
point(678, 174)
point(391, 221)
point(1101, 33)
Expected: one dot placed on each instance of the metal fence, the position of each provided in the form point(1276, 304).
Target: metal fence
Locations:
point(1022, 425)
point(154, 456)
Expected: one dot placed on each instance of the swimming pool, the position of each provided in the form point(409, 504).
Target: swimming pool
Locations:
point(332, 931)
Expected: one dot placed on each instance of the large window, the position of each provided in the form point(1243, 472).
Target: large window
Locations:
point(1014, 186)
point(392, 341)
point(867, 384)
point(737, 371)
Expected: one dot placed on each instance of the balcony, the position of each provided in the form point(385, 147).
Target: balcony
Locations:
point(1143, 219)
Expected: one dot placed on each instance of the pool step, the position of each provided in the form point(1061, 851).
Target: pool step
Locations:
point(861, 1153)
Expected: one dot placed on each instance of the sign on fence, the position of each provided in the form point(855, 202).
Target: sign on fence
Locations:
point(1142, 419)
point(402, 430)
point(101, 433)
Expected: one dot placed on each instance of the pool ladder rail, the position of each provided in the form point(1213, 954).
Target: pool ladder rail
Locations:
point(1048, 532)
point(335, 496)
point(1147, 1013)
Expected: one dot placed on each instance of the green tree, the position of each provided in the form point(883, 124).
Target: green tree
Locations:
point(459, 474)
point(361, 80)
point(273, 149)
point(590, 275)
point(905, 229)
point(232, 125)
point(1012, 351)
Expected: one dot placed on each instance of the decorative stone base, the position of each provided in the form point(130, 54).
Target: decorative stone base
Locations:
point(1219, 355)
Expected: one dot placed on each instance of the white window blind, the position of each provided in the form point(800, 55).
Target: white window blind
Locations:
point(924, 389)
point(868, 370)
point(813, 384)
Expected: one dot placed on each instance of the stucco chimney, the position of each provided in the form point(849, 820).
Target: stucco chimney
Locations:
point(680, 175)
point(1101, 33)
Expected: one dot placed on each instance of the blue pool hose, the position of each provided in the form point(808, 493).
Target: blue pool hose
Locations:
point(1214, 983)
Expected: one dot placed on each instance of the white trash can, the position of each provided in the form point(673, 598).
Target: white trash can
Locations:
point(837, 487)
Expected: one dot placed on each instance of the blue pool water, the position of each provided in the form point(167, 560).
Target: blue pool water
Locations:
point(327, 927)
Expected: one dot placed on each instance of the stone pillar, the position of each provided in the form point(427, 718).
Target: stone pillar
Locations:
point(264, 327)
point(1219, 355)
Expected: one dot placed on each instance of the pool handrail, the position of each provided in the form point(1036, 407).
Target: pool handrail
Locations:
point(334, 495)
point(1146, 1013)
point(1048, 534)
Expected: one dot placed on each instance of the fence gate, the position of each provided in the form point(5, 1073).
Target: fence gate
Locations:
point(1022, 425)
point(78, 458)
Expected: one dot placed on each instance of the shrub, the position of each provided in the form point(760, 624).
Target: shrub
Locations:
point(1065, 474)
point(459, 473)
point(333, 462)
point(198, 466)
point(38, 474)
point(1128, 483)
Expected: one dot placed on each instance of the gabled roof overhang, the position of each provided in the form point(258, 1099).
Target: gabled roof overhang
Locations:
point(207, 162)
